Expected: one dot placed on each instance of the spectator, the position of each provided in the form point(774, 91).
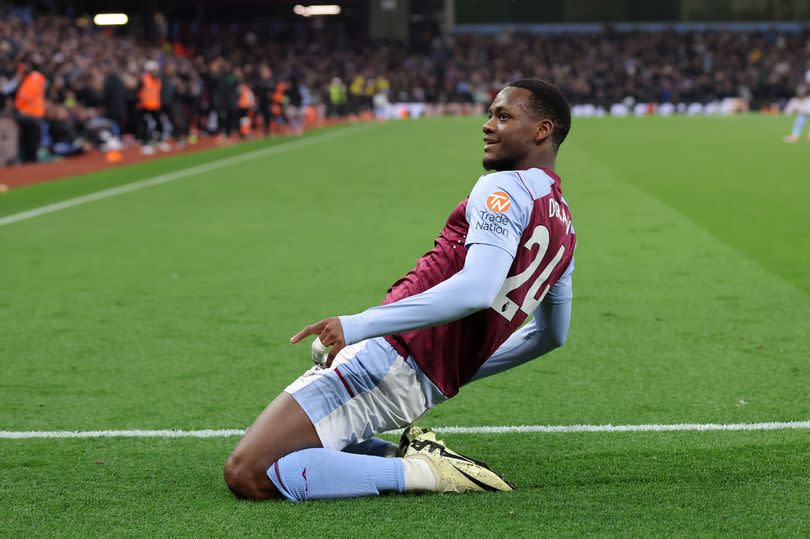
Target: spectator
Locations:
point(337, 97)
point(98, 76)
point(167, 105)
point(114, 98)
point(29, 104)
point(263, 90)
point(148, 107)
point(246, 104)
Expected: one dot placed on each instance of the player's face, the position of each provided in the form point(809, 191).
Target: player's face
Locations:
point(508, 134)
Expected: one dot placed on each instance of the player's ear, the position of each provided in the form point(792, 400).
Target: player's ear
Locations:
point(544, 129)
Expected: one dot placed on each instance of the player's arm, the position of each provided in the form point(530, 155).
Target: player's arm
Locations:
point(472, 289)
point(546, 332)
point(490, 253)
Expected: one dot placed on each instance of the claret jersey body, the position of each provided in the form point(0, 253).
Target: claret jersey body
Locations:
point(520, 211)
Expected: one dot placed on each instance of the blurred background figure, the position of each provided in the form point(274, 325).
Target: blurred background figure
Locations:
point(297, 101)
point(263, 93)
point(800, 106)
point(149, 92)
point(278, 106)
point(168, 94)
point(222, 92)
point(245, 105)
point(114, 97)
point(337, 98)
point(29, 105)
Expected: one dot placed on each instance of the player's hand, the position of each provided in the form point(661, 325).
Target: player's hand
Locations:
point(330, 332)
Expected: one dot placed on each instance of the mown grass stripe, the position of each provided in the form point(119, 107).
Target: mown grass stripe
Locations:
point(172, 176)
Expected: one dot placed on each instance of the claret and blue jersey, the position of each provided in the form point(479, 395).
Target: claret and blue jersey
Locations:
point(506, 252)
point(522, 213)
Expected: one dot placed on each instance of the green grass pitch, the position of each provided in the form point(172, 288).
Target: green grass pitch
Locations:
point(172, 306)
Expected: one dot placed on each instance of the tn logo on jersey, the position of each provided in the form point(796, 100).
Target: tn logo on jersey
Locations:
point(498, 202)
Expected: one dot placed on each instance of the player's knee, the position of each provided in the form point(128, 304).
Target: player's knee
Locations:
point(558, 341)
point(246, 481)
point(235, 477)
point(558, 338)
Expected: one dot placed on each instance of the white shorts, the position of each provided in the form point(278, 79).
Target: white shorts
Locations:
point(368, 389)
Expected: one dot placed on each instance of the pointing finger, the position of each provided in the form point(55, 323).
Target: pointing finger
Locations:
point(306, 332)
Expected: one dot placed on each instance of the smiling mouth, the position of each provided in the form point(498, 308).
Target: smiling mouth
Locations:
point(488, 143)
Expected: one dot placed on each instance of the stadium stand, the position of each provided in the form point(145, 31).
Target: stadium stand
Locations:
point(239, 83)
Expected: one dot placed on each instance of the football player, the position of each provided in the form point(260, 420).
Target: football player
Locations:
point(505, 253)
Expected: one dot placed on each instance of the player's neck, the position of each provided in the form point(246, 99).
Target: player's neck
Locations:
point(546, 161)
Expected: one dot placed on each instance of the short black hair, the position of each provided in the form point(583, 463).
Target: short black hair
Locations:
point(547, 101)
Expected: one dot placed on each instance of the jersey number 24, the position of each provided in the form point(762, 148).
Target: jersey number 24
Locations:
point(503, 304)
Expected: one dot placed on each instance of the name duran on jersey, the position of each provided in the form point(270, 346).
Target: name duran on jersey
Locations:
point(555, 210)
point(522, 212)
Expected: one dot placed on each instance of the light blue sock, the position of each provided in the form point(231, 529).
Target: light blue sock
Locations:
point(373, 446)
point(798, 125)
point(314, 474)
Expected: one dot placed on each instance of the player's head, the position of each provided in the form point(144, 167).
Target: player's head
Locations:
point(527, 119)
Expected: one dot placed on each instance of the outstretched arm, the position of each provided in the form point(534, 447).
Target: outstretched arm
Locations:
point(490, 253)
point(471, 289)
point(546, 332)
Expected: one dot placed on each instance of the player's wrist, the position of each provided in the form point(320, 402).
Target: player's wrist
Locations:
point(350, 330)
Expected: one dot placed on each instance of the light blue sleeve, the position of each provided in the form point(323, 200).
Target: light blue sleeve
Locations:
point(498, 211)
point(472, 289)
point(546, 332)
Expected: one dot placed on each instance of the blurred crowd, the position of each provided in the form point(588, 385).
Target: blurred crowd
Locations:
point(72, 86)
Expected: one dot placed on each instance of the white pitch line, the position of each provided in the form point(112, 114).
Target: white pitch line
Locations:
point(172, 176)
point(699, 427)
point(134, 433)
point(520, 429)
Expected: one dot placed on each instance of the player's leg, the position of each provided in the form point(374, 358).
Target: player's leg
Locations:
point(317, 474)
point(374, 446)
point(282, 451)
point(371, 389)
point(368, 389)
point(280, 456)
point(798, 125)
point(272, 448)
point(282, 428)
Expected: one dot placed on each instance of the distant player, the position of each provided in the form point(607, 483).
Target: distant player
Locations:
point(800, 105)
point(505, 253)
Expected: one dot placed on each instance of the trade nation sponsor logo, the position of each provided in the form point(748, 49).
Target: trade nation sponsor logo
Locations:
point(493, 222)
point(499, 202)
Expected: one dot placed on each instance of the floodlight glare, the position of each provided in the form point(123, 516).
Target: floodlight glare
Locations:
point(110, 19)
point(311, 11)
